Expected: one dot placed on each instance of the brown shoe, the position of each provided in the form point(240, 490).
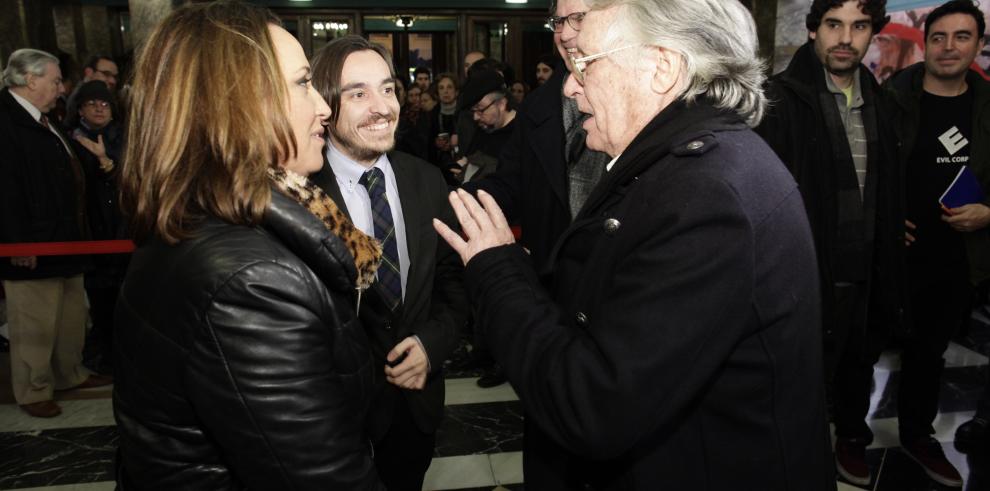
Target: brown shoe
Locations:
point(94, 381)
point(43, 409)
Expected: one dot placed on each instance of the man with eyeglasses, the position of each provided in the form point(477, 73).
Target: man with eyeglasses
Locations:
point(545, 170)
point(677, 344)
point(103, 68)
point(99, 67)
point(485, 96)
point(830, 126)
point(42, 186)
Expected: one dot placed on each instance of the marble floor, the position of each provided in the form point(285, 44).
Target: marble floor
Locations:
point(479, 446)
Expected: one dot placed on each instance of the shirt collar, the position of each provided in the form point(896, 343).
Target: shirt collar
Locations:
point(608, 167)
point(33, 111)
point(857, 91)
point(349, 171)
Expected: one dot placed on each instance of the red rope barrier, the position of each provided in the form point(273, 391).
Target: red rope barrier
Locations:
point(66, 248)
point(86, 247)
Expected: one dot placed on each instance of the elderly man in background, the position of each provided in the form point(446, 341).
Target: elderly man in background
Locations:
point(678, 344)
point(42, 187)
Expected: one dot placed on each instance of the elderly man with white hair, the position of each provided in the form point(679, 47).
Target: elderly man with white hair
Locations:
point(42, 187)
point(677, 343)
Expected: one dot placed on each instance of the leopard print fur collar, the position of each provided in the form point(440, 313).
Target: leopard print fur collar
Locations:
point(366, 251)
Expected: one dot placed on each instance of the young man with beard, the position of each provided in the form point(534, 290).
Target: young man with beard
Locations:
point(413, 312)
point(828, 124)
point(942, 109)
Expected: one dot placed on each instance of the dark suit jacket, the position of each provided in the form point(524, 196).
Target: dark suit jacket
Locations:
point(530, 184)
point(435, 306)
point(42, 193)
point(679, 345)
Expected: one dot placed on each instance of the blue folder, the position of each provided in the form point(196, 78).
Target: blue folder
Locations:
point(965, 189)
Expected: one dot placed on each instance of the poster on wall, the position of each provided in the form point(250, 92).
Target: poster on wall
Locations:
point(900, 44)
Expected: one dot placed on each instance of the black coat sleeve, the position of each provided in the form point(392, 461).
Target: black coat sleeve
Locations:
point(669, 313)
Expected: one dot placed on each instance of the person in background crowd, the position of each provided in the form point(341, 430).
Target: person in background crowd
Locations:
point(486, 98)
point(442, 127)
point(400, 91)
point(427, 100)
point(67, 64)
point(518, 91)
point(544, 69)
point(423, 78)
point(243, 363)
point(100, 139)
point(464, 126)
point(941, 114)
point(99, 67)
point(42, 187)
point(470, 58)
point(412, 134)
point(546, 171)
point(628, 376)
point(830, 126)
point(412, 99)
point(102, 67)
point(418, 304)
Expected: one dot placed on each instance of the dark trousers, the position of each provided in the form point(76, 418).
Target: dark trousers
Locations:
point(940, 302)
point(404, 454)
point(98, 350)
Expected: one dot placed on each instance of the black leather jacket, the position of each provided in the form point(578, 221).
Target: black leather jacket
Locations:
point(241, 362)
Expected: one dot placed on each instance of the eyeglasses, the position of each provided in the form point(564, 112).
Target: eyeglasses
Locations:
point(95, 103)
point(483, 109)
point(556, 23)
point(108, 74)
point(581, 64)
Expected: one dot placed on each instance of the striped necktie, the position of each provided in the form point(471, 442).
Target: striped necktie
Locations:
point(389, 278)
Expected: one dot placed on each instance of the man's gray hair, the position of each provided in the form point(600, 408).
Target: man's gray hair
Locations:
point(715, 38)
point(24, 62)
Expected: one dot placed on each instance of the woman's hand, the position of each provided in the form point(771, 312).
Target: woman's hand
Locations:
point(483, 224)
point(95, 147)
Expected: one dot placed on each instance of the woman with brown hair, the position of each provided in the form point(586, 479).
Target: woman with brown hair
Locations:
point(240, 360)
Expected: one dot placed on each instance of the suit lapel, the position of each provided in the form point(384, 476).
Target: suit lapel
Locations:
point(547, 141)
point(412, 215)
point(327, 181)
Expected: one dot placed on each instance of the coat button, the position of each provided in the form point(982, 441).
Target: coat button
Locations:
point(612, 226)
point(695, 145)
point(581, 319)
point(388, 325)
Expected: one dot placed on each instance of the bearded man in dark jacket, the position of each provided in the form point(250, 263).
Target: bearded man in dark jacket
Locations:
point(829, 126)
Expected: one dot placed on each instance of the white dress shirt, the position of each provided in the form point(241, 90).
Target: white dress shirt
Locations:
point(358, 203)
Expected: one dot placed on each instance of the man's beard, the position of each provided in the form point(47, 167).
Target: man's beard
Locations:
point(840, 68)
point(362, 150)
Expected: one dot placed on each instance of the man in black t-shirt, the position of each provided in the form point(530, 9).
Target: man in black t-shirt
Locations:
point(941, 120)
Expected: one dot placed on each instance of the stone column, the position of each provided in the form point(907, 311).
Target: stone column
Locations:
point(13, 36)
point(69, 32)
point(98, 29)
point(145, 15)
point(765, 14)
point(26, 24)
